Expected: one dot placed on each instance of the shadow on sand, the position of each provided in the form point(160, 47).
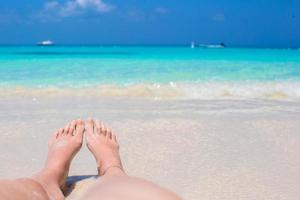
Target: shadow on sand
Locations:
point(72, 182)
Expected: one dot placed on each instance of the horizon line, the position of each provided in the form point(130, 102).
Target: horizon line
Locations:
point(154, 44)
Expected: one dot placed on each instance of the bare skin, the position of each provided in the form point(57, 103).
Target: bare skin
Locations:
point(63, 146)
point(102, 143)
point(48, 183)
point(114, 184)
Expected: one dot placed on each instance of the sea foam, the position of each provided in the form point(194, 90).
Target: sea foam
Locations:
point(283, 90)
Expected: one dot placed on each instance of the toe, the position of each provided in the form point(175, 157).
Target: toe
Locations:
point(102, 129)
point(114, 137)
point(66, 129)
point(89, 126)
point(72, 128)
point(53, 138)
point(108, 133)
point(79, 130)
point(60, 132)
point(55, 135)
point(98, 127)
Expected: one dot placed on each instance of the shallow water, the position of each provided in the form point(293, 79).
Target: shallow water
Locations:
point(156, 72)
point(206, 123)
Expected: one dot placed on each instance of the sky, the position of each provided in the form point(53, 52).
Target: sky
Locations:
point(254, 23)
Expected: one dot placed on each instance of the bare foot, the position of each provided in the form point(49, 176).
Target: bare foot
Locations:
point(63, 146)
point(105, 148)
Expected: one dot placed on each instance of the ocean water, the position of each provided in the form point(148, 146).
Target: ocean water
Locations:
point(151, 71)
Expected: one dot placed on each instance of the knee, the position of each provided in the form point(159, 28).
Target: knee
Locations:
point(31, 188)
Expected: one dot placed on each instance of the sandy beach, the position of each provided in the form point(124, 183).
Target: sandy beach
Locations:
point(203, 96)
point(214, 149)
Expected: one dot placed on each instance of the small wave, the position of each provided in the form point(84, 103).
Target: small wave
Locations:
point(243, 90)
point(284, 90)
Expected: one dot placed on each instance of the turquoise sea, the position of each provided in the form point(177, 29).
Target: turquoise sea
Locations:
point(155, 71)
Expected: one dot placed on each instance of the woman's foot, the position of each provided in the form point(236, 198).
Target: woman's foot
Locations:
point(63, 146)
point(105, 148)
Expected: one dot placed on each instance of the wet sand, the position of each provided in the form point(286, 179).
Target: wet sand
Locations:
point(214, 149)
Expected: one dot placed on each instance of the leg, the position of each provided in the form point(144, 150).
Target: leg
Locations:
point(47, 184)
point(20, 189)
point(114, 184)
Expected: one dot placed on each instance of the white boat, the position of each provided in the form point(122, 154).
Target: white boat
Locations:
point(45, 43)
point(213, 46)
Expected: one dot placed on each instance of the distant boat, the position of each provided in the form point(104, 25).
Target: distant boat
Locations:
point(45, 43)
point(213, 46)
point(192, 45)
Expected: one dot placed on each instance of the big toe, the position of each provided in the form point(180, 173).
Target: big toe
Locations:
point(79, 126)
point(89, 126)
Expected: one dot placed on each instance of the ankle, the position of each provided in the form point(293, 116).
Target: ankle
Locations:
point(48, 177)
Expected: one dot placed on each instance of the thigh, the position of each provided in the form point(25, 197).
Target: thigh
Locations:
point(22, 189)
point(127, 188)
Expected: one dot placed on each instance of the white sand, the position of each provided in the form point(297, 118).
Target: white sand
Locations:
point(199, 149)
